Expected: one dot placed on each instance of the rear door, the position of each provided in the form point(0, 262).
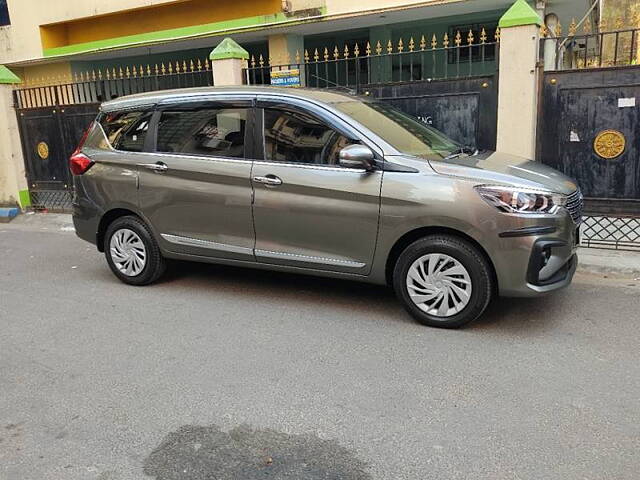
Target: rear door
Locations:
point(308, 211)
point(196, 190)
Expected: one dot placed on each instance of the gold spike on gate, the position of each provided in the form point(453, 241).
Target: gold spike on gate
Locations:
point(470, 38)
point(400, 45)
point(184, 66)
point(543, 31)
point(336, 53)
point(356, 50)
point(134, 71)
point(558, 29)
point(572, 27)
point(325, 54)
point(411, 44)
point(483, 36)
point(306, 56)
point(368, 49)
point(586, 26)
point(346, 51)
point(458, 39)
point(316, 57)
point(423, 42)
point(297, 57)
point(497, 35)
point(148, 70)
point(445, 40)
point(378, 48)
point(619, 23)
point(389, 47)
point(199, 64)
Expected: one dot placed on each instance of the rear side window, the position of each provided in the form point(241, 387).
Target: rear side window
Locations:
point(216, 132)
point(126, 130)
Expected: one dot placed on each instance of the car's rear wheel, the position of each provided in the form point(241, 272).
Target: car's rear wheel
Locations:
point(443, 281)
point(132, 253)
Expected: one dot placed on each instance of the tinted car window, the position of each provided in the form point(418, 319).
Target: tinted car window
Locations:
point(300, 138)
point(208, 131)
point(126, 130)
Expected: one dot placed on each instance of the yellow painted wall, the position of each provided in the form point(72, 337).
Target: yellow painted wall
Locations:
point(150, 19)
point(22, 40)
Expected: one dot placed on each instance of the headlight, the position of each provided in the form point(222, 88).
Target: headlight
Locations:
point(521, 200)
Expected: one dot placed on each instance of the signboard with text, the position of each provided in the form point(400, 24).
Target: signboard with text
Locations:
point(286, 78)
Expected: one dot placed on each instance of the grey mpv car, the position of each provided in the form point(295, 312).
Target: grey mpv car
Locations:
point(322, 183)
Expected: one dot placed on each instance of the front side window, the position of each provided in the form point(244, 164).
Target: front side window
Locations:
point(126, 130)
point(295, 137)
point(400, 130)
point(217, 132)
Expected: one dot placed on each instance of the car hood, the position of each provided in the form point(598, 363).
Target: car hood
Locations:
point(488, 166)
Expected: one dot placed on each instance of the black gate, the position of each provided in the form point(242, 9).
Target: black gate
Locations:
point(589, 128)
point(465, 109)
point(49, 135)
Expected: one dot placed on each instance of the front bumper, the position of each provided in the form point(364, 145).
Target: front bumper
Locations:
point(540, 261)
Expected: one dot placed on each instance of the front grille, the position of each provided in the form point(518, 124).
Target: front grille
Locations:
point(575, 203)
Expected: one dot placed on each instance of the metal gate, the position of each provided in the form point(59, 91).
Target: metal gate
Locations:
point(589, 128)
point(49, 135)
point(464, 109)
point(52, 118)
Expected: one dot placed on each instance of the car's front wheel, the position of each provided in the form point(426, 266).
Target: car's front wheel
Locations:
point(132, 253)
point(443, 281)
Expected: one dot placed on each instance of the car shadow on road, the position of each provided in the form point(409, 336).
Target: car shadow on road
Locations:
point(504, 314)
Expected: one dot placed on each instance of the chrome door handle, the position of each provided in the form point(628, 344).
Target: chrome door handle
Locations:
point(156, 167)
point(268, 180)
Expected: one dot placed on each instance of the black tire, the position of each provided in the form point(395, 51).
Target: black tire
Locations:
point(478, 269)
point(154, 263)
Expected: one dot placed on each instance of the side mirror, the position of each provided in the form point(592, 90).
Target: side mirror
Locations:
point(356, 156)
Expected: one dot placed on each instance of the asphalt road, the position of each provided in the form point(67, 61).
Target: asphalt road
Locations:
point(224, 373)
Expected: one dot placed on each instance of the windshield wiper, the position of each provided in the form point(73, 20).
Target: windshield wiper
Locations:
point(461, 151)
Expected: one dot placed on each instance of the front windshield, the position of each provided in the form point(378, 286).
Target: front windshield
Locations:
point(400, 130)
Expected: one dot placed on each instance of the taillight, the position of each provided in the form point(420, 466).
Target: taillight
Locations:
point(79, 163)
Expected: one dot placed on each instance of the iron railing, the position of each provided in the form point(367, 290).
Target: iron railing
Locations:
point(619, 233)
point(98, 86)
point(590, 50)
point(353, 67)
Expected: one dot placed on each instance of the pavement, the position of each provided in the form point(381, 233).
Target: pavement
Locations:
point(228, 373)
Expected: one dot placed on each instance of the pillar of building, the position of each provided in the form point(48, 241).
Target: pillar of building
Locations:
point(13, 184)
point(228, 60)
point(518, 85)
point(286, 51)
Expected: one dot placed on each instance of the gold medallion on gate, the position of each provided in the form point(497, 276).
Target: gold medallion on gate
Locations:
point(43, 150)
point(609, 144)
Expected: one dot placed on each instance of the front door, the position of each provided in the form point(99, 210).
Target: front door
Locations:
point(196, 189)
point(308, 211)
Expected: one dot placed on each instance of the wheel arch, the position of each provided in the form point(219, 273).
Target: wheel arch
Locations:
point(107, 219)
point(409, 237)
